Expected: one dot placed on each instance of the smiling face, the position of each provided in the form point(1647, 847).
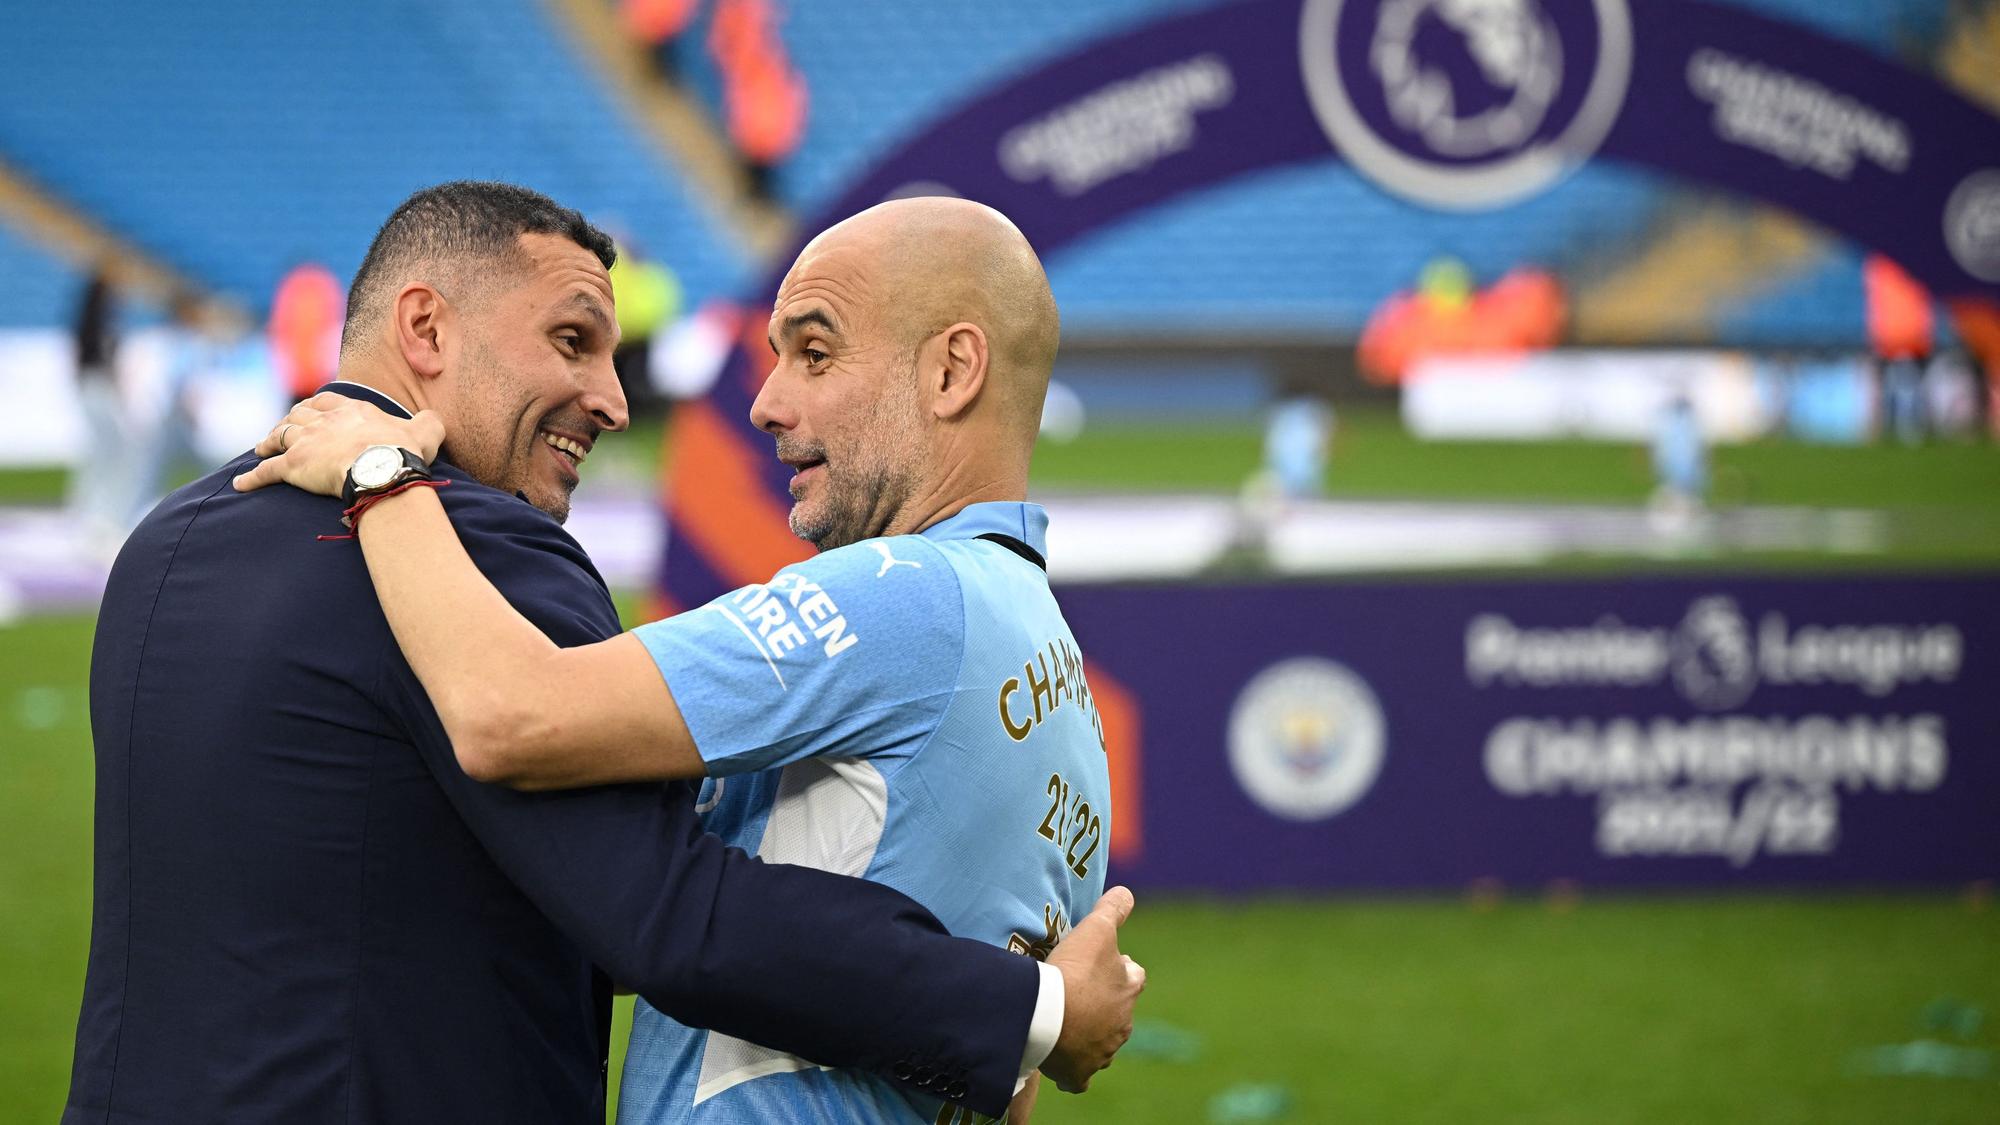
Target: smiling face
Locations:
point(533, 384)
point(842, 399)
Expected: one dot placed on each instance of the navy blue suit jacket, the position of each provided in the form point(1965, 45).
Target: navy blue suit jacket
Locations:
point(304, 911)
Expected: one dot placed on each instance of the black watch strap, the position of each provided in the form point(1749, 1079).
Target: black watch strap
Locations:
point(414, 468)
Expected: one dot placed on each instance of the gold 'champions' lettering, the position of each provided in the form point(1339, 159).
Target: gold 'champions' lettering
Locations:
point(1053, 677)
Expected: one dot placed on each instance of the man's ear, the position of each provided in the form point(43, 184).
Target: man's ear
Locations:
point(957, 373)
point(424, 323)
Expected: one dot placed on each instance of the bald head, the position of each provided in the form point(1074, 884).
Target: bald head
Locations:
point(940, 261)
point(913, 346)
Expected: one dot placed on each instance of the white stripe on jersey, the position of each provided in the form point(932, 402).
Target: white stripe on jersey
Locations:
point(829, 814)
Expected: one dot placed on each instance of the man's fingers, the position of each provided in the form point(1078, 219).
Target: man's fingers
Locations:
point(308, 411)
point(429, 430)
point(278, 440)
point(268, 471)
point(1114, 907)
point(1135, 973)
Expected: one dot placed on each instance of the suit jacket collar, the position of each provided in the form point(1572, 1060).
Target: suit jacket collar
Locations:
point(368, 394)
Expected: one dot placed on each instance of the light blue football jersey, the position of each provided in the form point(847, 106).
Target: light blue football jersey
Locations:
point(911, 710)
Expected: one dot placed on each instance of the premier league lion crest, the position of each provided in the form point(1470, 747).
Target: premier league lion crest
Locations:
point(1714, 663)
point(1055, 924)
point(1466, 103)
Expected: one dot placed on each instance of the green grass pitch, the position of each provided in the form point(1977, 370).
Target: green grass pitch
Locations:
point(1618, 1009)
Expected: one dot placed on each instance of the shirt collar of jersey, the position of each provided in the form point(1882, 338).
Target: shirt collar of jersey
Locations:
point(369, 394)
point(1027, 522)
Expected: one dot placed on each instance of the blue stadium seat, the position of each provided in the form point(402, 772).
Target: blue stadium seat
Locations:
point(1880, 25)
point(879, 71)
point(235, 137)
point(37, 289)
point(1819, 305)
point(1315, 247)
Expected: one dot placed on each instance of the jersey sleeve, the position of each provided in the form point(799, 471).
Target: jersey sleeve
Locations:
point(851, 654)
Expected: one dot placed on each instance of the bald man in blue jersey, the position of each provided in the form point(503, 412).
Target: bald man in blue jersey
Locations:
point(908, 706)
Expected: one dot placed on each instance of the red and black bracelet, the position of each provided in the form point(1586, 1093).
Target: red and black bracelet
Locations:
point(351, 518)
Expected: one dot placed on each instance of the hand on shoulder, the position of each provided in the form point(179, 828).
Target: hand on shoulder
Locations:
point(313, 446)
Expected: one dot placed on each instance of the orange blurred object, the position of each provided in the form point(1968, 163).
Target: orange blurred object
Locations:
point(764, 99)
point(1523, 311)
point(1977, 320)
point(767, 112)
point(1900, 324)
point(306, 315)
point(654, 22)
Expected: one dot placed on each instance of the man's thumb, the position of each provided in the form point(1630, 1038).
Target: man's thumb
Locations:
point(1114, 907)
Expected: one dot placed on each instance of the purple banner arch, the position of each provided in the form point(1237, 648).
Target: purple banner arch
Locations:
point(1456, 105)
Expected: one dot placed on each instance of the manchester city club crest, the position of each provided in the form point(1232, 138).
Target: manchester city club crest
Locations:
point(1466, 104)
point(1306, 738)
point(1972, 224)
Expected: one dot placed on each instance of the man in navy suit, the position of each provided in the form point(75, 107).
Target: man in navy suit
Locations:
point(304, 910)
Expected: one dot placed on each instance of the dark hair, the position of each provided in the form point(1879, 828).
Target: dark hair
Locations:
point(450, 223)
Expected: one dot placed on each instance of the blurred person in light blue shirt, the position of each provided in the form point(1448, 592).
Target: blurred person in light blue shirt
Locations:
point(1680, 460)
point(190, 353)
point(1298, 441)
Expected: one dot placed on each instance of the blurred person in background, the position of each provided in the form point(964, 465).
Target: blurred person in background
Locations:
point(1900, 331)
point(305, 910)
point(1298, 443)
point(191, 352)
point(1953, 405)
point(763, 97)
point(914, 344)
point(306, 315)
point(1978, 324)
point(648, 297)
point(1680, 465)
point(104, 492)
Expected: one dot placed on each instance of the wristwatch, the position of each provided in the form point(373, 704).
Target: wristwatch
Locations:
point(379, 469)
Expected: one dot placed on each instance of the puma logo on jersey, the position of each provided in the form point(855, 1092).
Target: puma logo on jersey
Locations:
point(889, 560)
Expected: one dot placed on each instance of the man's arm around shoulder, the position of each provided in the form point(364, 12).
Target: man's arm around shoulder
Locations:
point(840, 971)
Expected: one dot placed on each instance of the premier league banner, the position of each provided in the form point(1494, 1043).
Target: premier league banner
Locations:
point(1629, 732)
point(1451, 104)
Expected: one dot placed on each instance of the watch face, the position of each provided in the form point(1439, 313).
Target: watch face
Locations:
point(376, 466)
